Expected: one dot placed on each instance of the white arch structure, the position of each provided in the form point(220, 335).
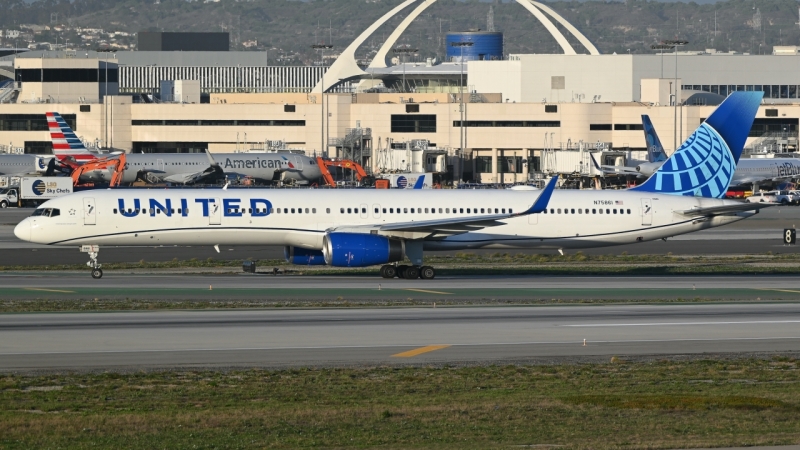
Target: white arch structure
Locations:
point(345, 67)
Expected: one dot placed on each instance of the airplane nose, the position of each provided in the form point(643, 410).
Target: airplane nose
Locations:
point(23, 230)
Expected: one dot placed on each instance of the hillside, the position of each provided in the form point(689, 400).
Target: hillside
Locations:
point(288, 28)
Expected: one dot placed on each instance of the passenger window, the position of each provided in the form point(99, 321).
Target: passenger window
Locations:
point(313, 210)
point(447, 210)
point(440, 210)
point(292, 210)
point(580, 211)
point(363, 210)
point(572, 211)
point(594, 211)
point(405, 210)
point(545, 211)
point(552, 211)
point(391, 210)
point(328, 210)
point(299, 210)
point(172, 211)
point(426, 210)
point(510, 211)
point(461, 210)
point(306, 210)
point(608, 211)
point(115, 210)
point(384, 210)
point(559, 210)
point(504, 211)
point(412, 210)
point(615, 210)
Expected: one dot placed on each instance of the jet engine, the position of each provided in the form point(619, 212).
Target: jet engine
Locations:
point(648, 168)
point(360, 249)
point(303, 256)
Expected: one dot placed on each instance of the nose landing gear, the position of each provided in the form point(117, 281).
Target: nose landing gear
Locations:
point(92, 251)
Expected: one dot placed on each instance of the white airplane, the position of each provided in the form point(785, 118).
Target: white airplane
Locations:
point(358, 228)
point(748, 171)
point(181, 168)
point(21, 165)
point(655, 155)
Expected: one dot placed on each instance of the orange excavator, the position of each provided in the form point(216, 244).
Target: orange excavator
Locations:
point(116, 164)
point(361, 174)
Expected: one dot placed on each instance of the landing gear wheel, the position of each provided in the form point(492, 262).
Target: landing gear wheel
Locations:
point(411, 273)
point(97, 273)
point(388, 271)
point(401, 271)
point(427, 273)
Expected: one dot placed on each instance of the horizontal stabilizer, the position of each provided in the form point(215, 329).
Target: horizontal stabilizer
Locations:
point(725, 209)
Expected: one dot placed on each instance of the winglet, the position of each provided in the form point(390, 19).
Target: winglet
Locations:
point(544, 198)
point(420, 182)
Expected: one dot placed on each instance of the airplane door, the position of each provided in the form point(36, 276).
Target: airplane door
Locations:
point(298, 161)
point(364, 211)
point(647, 211)
point(89, 211)
point(376, 211)
point(160, 165)
point(215, 212)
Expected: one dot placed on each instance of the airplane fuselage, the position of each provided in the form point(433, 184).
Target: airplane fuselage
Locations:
point(574, 219)
point(261, 166)
point(23, 164)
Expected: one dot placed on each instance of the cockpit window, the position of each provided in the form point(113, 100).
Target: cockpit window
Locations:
point(46, 212)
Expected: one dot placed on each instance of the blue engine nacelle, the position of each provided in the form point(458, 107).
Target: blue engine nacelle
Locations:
point(303, 256)
point(360, 249)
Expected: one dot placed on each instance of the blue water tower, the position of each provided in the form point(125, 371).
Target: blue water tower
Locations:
point(486, 45)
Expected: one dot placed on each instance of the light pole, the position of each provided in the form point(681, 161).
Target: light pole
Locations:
point(322, 48)
point(661, 47)
point(403, 51)
point(461, 111)
point(675, 44)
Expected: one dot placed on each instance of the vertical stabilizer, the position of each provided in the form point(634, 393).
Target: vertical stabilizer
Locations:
point(65, 143)
point(703, 166)
point(655, 151)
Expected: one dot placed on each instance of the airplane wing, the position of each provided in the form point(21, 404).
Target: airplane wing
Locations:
point(457, 225)
point(622, 170)
point(725, 209)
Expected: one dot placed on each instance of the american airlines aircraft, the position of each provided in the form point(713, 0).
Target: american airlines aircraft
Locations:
point(358, 228)
point(748, 171)
point(183, 168)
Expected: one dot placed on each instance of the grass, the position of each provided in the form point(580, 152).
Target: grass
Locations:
point(664, 404)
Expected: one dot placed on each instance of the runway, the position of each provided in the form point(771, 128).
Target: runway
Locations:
point(452, 289)
point(759, 234)
point(285, 338)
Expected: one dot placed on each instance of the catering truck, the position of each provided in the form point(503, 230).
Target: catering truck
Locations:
point(32, 191)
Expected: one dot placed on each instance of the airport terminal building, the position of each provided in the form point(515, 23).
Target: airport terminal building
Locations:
point(497, 120)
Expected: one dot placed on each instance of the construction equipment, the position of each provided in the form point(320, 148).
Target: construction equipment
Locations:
point(115, 164)
point(361, 174)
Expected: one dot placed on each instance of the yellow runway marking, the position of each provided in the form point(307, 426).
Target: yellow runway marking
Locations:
point(49, 290)
point(430, 292)
point(780, 290)
point(419, 351)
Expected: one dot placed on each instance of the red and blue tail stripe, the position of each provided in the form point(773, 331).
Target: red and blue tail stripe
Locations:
point(65, 143)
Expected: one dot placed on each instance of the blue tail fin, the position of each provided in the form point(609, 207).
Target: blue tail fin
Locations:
point(703, 166)
point(420, 182)
point(655, 151)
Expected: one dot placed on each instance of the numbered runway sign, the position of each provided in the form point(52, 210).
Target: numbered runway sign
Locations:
point(789, 236)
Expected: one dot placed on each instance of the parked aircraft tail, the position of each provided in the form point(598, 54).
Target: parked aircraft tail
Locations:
point(655, 151)
point(66, 144)
point(703, 166)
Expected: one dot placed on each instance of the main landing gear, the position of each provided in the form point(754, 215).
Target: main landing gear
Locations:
point(92, 251)
point(408, 272)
